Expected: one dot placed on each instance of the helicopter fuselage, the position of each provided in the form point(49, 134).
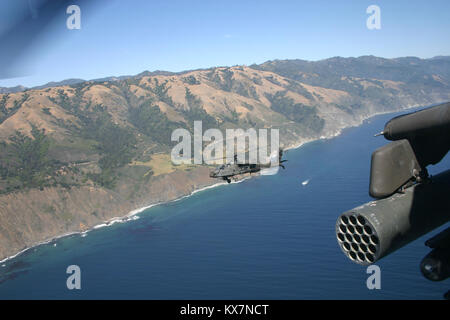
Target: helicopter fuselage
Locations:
point(226, 171)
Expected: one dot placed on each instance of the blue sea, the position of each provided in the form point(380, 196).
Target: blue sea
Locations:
point(269, 237)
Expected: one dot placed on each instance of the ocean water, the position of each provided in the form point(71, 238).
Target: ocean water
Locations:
point(269, 237)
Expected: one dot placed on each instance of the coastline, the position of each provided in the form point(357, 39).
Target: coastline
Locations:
point(130, 216)
point(133, 215)
point(338, 132)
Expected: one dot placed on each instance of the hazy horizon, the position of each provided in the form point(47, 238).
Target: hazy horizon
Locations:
point(190, 70)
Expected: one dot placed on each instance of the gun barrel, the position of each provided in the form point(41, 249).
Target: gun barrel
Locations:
point(430, 121)
point(378, 228)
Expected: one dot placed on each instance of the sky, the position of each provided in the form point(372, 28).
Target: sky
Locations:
point(127, 37)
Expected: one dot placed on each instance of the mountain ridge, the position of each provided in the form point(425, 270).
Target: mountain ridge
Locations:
point(163, 72)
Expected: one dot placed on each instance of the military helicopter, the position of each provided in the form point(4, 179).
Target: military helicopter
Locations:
point(230, 170)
